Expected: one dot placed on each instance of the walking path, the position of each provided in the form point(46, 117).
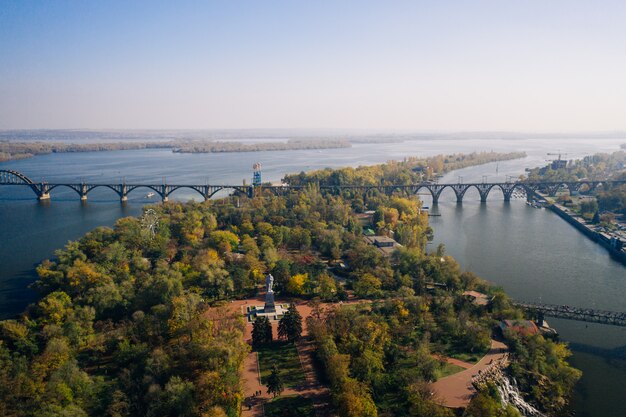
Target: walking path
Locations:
point(457, 390)
point(311, 388)
point(452, 391)
point(453, 361)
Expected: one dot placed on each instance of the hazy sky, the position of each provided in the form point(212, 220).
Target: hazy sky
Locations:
point(544, 65)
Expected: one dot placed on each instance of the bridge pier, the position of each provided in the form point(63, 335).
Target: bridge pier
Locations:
point(123, 192)
point(43, 197)
point(83, 192)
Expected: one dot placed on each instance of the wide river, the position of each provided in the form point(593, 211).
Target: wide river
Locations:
point(530, 252)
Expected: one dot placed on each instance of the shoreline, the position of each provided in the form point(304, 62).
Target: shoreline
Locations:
point(582, 226)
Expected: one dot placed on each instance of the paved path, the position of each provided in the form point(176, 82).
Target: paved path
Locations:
point(453, 361)
point(311, 388)
point(457, 390)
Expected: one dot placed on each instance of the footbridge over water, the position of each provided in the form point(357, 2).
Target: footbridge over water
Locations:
point(42, 189)
point(613, 318)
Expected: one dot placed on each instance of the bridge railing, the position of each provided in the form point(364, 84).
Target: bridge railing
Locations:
point(615, 318)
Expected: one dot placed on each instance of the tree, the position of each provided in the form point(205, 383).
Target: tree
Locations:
point(274, 382)
point(589, 206)
point(367, 286)
point(596, 218)
point(327, 286)
point(295, 285)
point(261, 331)
point(223, 240)
point(290, 326)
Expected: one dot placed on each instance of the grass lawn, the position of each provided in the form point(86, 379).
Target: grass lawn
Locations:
point(447, 369)
point(472, 358)
point(285, 356)
point(290, 406)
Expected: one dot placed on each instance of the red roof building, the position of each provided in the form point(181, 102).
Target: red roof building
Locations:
point(523, 327)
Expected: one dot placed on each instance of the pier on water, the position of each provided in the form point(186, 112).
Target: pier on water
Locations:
point(589, 315)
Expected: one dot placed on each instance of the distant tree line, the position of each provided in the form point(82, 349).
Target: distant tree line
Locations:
point(292, 144)
point(408, 171)
point(21, 150)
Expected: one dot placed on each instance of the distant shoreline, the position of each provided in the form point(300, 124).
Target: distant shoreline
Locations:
point(10, 151)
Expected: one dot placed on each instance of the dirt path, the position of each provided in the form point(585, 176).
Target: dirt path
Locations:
point(457, 390)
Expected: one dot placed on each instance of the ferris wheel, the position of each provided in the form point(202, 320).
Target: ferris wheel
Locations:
point(150, 221)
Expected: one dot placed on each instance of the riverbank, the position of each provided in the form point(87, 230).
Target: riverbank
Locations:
point(613, 245)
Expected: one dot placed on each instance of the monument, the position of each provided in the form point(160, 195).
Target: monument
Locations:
point(271, 310)
point(270, 307)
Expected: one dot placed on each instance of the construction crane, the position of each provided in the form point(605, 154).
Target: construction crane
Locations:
point(558, 163)
point(559, 153)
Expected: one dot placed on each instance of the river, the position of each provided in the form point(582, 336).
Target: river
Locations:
point(532, 253)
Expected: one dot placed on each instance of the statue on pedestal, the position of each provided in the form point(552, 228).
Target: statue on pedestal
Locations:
point(269, 282)
point(270, 307)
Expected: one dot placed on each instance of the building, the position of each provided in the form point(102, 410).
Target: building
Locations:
point(365, 218)
point(559, 164)
point(477, 298)
point(384, 244)
point(523, 327)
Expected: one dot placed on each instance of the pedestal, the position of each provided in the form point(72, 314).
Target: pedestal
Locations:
point(270, 307)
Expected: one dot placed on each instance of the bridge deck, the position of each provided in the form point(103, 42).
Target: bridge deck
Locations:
point(42, 189)
point(613, 318)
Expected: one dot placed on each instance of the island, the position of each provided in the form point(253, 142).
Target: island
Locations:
point(161, 315)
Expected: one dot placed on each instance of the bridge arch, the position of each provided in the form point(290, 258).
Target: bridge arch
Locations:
point(435, 190)
point(555, 187)
point(495, 189)
point(115, 190)
point(227, 187)
point(157, 189)
point(509, 188)
point(8, 176)
point(403, 190)
point(70, 186)
point(180, 187)
point(369, 189)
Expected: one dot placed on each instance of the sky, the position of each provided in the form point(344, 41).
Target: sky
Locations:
point(535, 66)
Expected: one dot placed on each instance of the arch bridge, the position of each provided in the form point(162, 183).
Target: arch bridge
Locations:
point(43, 189)
point(206, 191)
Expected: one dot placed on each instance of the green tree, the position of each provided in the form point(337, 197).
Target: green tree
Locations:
point(327, 287)
point(275, 383)
point(367, 285)
point(290, 326)
point(261, 331)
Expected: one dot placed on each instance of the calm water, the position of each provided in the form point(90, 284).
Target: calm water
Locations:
point(532, 253)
